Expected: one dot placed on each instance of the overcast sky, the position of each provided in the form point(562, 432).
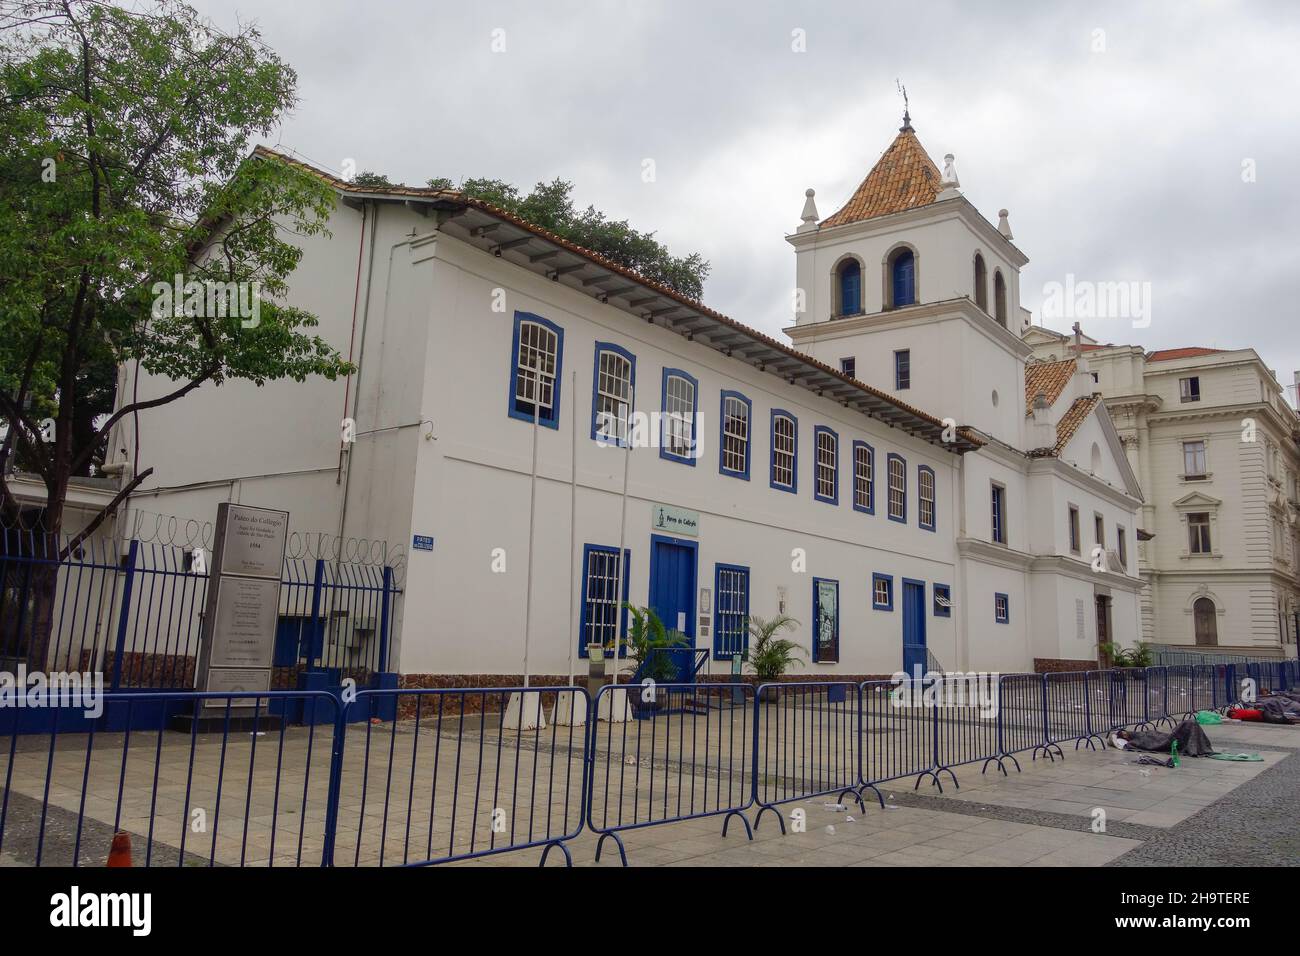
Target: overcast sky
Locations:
point(1116, 134)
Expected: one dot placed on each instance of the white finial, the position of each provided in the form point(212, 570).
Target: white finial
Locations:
point(1004, 227)
point(950, 183)
point(949, 171)
point(809, 216)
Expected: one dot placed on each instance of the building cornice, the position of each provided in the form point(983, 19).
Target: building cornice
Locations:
point(960, 308)
point(957, 208)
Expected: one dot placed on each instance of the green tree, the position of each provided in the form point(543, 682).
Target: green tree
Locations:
point(124, 142)
point(550, 206)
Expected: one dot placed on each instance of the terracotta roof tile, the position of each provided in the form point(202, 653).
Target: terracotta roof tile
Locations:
point(1165, 355)
point(903, 178)
point(1074, 416)
point(1050, 378)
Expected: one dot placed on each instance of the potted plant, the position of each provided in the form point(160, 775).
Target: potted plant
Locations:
point(646, 638)
point(771, 655)
point(1139, 655)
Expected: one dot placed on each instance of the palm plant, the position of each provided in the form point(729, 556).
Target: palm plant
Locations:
point(770, 655)
point(645, 635)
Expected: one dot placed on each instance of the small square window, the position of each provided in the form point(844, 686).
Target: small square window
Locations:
point(849, 366)
point(882, 592)
point(942, 600)
point(1001, 608)
point(1189, 389)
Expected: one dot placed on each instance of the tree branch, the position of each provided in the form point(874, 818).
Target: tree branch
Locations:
point(109, 509)
point(125, 410)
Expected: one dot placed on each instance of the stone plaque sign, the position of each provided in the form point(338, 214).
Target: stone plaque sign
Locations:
point(250, 541)
point(247, 611)
point(233, 680)
point(243, 602)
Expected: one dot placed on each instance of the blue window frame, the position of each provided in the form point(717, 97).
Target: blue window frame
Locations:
point(864, 478)
point(784, 468)
point(942, 600)
point(735, 435)
point(731, 611)
point(536, 363)
point(1001, 608)
point(896, 487)
point(903, 278)
point(849, 366)
point(613, 390)
point(902, 369)
point(882, 591)
point(999, 515)
point(826, 620)
point(604, 618)
point(680, 403)
point(850, 275)
point(926, 503)
point(826, 465)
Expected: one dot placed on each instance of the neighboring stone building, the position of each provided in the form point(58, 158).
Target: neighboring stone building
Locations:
point(1214, 444)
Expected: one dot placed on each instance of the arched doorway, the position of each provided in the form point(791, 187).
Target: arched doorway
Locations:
point(1207, 625)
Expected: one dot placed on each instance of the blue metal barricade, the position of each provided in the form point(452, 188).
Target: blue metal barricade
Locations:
point(1157, 696)
point(1071, 701)
point(461, 773)
point(1128, 697)
point(194, 779)
point(668, 752)
point(1202, 687)
point(898, 734)
point(967, 708)
point(1178, 695)
point(1022, 715)
point(806, 743)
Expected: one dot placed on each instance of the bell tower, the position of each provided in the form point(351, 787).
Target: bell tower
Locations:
point(908, 285)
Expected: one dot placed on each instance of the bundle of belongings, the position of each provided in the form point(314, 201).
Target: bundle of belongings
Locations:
point(1277, 707)
point(1189, 735)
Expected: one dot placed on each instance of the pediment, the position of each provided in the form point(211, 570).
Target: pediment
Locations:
point(1197, 499)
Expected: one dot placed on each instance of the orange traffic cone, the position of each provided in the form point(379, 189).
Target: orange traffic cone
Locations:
point(119, 854)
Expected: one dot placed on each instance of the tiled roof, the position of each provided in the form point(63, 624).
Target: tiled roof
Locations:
point(903, 178)
point(1165, 355)
point(1050, 378)
point(1074, 416)
point(459, 199)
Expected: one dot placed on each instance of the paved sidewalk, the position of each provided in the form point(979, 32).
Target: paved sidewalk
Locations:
point(1043, 816)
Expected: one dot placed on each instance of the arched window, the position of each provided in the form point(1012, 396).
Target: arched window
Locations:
point(1207, 627)
point(849, 287)
point(1000, 299)
point(981, 283)
point(1096, 458)
point(902, 278)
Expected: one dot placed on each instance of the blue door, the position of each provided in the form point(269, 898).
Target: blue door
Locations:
point(913, 627)
point(672, 583)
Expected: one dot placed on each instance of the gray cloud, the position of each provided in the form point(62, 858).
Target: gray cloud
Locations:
point(1122, 164)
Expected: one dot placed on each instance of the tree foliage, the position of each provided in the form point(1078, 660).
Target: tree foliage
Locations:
point(550, 206)
point(124, 145)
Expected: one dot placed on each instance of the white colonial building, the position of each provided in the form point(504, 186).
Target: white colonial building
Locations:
point(1215, 445)
point(891, 479)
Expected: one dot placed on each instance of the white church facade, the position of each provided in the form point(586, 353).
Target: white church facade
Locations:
point(888, 477)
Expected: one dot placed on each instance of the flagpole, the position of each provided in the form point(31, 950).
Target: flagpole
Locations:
point(573, 526)
point(532, 512)
point(622, 537)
